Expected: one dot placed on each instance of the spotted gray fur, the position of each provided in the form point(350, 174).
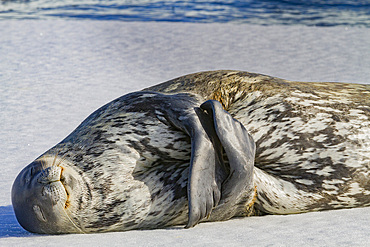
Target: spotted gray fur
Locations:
point(130, 163)
point(313, 139)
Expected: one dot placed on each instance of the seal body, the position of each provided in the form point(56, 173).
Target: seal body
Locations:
point(312, 139)
point(160, 157)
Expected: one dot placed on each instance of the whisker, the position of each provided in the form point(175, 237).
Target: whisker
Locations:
point(63, 158)
point(42, 161)
point(55, 158)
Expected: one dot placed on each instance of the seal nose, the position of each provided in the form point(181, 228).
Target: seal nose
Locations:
point(50, 174)
point(53, 189)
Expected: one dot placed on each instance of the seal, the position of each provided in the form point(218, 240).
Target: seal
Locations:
point(203, 147)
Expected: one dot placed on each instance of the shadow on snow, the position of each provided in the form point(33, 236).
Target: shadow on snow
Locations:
point(9, 226)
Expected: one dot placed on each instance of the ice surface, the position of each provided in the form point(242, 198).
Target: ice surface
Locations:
point(55, 73)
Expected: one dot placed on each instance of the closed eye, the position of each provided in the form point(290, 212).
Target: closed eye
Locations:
point(39, 213)
point(32, 172)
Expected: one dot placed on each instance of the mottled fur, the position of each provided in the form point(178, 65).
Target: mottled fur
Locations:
point(312, 140)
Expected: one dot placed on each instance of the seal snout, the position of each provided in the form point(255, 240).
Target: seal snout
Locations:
point(53, 188)
point(40, 198)
point(50, 174)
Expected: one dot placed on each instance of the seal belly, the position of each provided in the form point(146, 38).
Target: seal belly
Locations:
point(163, 167)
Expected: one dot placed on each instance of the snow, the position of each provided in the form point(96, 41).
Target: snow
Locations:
point(54, 73)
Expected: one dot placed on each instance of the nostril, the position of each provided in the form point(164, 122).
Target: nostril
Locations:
point(50, 175)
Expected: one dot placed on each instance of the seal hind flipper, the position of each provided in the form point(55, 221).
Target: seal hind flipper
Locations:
point(240, 149)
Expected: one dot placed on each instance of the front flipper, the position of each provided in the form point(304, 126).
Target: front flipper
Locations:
point(206, 171)
point(240, 150)
point(210, 183)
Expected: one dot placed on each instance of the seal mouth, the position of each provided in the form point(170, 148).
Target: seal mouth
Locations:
point(42, 198)
point(62, 180)
point(53, 183)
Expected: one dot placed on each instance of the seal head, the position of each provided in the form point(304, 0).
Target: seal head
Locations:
point(41, 197)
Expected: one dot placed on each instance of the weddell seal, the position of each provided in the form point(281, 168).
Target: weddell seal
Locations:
point(203, 147)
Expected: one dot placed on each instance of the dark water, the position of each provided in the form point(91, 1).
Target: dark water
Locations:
point(264, 12)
